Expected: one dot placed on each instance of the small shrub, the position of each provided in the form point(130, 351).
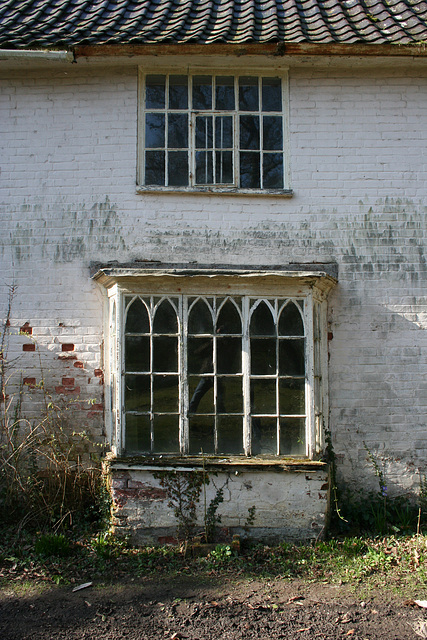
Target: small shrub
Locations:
point(53, 545)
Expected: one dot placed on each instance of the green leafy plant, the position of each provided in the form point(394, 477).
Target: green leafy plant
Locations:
point(53, 545)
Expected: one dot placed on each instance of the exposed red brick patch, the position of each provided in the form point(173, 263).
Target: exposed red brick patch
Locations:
point(31, 382)
point(166, 540)
point(26, 329)
point(66, 356)
point(79, 364)
point(68, 382)
point(28, 347)
point(68, 391)
point(98, 373)
point(67, 346)
point(330, 335)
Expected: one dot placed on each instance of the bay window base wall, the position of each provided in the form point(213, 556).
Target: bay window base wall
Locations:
point(263, 499)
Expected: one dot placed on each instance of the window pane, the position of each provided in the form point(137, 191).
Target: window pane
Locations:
point(200, 319)
point(292, 396)
point(137, 393)
point(292, 436)
point(272, 174)
point(263, 396)
point(137, 353)
point(262, 323)
point(230, 434)
point(178, 168)
point(249, 132)
point(229, 355)
point(264, 436)
point(272, 133)
point(249, 170)
point(271, 94)
point(138, 434)
point(155, 92)
point(201, 393)
point(202, 92)
point(178, 92)
point(224, 167)
point(291, 357)
point(224, 93)
point(165, 354)
point(224, 132)
point(263, 356)
point(204, 132)
point(154, 130)
point(137, 318)
point(155, 167)
point(248, 94)
point(166, 434)
point(290, 321)
point(165, 394)
point(200, 355)
point(165, 319)
point(204, 167)
point(229, 319)
point(178, 131)
point(201, 434)
point(229, 395)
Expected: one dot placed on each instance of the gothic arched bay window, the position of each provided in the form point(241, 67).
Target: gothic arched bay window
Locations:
point(226, 374)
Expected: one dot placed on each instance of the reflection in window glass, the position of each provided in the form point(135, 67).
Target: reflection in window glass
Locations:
point(224, 93)
point(202, 92)
point(178, 92)
point(271, 94)
point(155, 92)
point(248, 93)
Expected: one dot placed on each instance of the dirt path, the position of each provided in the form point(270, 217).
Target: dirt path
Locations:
point(185, 608)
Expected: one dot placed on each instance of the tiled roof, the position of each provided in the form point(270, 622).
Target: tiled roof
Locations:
point(67, 23)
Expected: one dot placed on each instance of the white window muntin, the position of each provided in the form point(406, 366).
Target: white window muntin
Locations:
point(247, 309)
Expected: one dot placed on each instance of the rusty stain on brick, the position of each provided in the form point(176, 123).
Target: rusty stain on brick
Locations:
point(79, 364)
point(98, 373)
point(68, 382)
point(30, 382)
point(28, 347)
point(67, 346)
point(66, 357)
point(26, 329)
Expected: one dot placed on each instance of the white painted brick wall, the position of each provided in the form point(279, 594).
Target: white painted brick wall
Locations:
point(358, 166)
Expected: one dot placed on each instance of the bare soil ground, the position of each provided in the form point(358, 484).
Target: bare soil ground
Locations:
point(204, 608)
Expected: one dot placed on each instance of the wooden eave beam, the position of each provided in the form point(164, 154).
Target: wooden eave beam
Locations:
point(268, 49)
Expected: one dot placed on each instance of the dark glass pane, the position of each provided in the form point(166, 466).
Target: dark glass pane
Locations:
point(292, 436)
point(271, 94)
point(166, 434)
point(263, 356)
point(290, 321)
point(272, 133)
point(249, 132)
point(138, 434)
point(200, 355)
point(154, 130)
point(202, 92)
point(224, 93)
point(177, 131)
point(165, 320)
point(165, 394)
point(137, 318)
point(204, 132)
point(229, 355)
point(178, 168)
point(248, 94)
point(178, 92)
point(155, 92)
point(137, 393)
point(155, 167)
point(229, 319)
point(200, 319)
point(291, 357)
point(272, 171)
point(201, 394)
point(137, 353)
point(262, 323)
point(201, 434)
point(250, 170)
point(230, 435)
point(292, 396)
point(224, 167)
point(224, 132)
point(263, 396)
point(264, 436)
point(204, 167)
point(229, 395)
point(165, 354)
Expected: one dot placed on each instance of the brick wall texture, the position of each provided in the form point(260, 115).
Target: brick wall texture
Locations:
point(358, 159)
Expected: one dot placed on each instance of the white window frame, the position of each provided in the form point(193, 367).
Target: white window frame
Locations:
point(312, 288)
point(216, 188)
